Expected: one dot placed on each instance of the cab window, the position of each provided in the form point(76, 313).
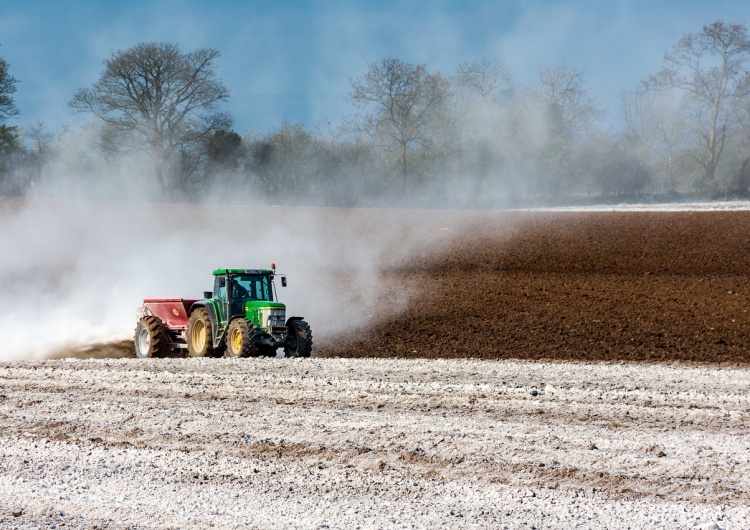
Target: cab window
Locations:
point(252, 287)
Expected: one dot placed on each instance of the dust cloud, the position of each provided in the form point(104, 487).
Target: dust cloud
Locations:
point(74, 271)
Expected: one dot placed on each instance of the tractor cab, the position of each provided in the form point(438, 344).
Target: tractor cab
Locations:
point(244, 286)
point(245, 292)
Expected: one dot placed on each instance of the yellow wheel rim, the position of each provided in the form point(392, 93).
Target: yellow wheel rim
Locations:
point(236, 340)
point(199, 335)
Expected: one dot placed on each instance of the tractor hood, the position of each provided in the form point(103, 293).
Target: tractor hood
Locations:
point(266, 315)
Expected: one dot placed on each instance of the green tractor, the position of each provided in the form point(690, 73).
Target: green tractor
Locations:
point(239, 318)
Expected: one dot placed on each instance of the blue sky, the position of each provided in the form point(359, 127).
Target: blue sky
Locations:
point(293, 59)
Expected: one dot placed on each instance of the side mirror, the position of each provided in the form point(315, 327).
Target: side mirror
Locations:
point(283, 281)
point(222, 281)
point(207, 294)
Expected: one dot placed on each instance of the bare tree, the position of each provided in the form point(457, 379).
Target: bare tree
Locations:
point(569, 108)
point(157, 98)
point(654, 129)
point(468, 135)
point(568, 113)
point(488, 78)
point(402, 99)
point(481, 90)
point(742, 184)
point(707, 69)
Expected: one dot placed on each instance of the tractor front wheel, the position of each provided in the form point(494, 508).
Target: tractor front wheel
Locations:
point(200, 336)
point(300, 339)
point(240, 339)
point(150, 338)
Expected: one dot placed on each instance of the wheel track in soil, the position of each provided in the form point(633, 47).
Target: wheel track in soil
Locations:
point(77, 403)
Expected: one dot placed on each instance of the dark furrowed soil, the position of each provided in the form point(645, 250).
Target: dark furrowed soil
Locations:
point(632, 286)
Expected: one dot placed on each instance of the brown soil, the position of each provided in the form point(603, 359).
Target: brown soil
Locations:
point(656, 286)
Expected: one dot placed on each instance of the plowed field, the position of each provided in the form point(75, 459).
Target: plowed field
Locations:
point(645, 286)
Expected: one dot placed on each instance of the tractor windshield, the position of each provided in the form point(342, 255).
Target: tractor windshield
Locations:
point(252, 287)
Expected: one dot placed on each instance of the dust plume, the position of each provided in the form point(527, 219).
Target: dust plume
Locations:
point(74, 271)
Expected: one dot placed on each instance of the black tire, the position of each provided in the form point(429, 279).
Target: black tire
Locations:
point(300, 339)
point(241, 339)
point(200, 334)
point(150, 338)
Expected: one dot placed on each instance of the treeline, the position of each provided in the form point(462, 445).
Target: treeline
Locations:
point(474, 138)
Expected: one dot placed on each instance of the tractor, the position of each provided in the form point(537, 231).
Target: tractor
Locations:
point(241, 317)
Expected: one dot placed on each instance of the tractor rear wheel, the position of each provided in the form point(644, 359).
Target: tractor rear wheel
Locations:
point(150, 338)
point(200, 336)
point(240, 339)
point(300, 339)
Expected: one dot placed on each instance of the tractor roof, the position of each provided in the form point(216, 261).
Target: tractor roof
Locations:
point(219, 272)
